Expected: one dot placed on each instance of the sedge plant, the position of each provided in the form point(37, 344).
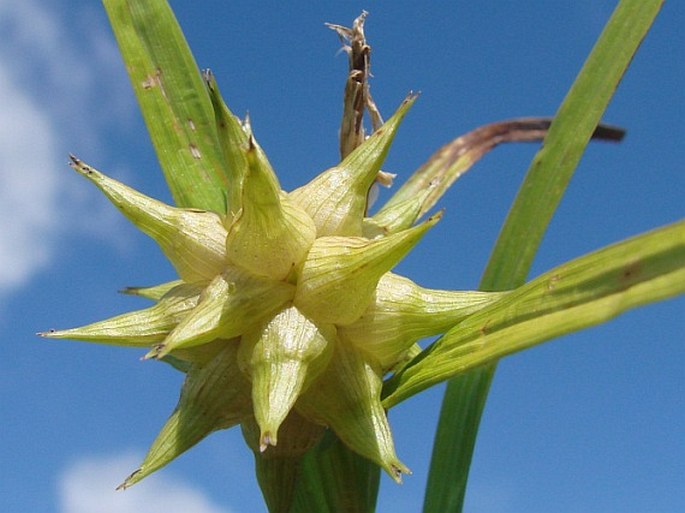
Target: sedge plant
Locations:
point(287, 319)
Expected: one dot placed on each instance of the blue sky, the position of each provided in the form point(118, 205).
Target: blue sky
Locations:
point(590, 422)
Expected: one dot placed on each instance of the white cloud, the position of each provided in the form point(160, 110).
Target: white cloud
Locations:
point(88, 485)
point(53, 78)
point(28, 188)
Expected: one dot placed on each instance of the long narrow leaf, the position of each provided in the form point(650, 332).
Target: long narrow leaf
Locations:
point(526, 223)
point(455, 158)
point(578, 294)
point(174, 101)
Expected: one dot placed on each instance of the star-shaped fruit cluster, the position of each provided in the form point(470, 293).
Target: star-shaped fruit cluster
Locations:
point(286, 315)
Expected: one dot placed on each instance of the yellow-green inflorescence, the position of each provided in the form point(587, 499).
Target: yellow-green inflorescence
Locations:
point(286, 314)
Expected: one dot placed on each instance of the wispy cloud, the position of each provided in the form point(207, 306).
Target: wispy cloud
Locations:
point(88, 486)
point(53, 77)
point(28, 188)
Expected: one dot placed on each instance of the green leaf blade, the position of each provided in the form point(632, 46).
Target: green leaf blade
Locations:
point(581, 293)
point(565, 143)
point(174, 101)
point(524, 228)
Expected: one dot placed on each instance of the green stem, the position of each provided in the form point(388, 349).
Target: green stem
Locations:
point(523, 230)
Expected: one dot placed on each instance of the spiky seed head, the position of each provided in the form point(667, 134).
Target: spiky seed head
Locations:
point(286, 316)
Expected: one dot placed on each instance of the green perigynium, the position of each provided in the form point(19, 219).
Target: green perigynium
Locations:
point(286, 316)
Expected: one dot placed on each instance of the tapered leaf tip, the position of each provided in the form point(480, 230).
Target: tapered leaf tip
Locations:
point(130, 480)
point(397, 469)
